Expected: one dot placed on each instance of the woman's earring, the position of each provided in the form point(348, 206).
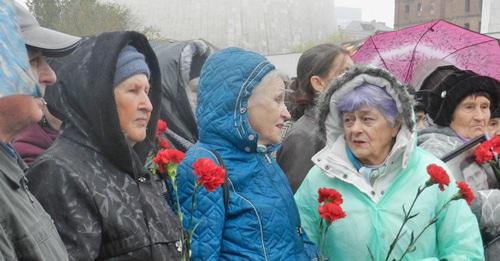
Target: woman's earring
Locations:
point(44, 121)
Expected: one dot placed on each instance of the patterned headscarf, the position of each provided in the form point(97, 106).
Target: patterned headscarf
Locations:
point(16, 77)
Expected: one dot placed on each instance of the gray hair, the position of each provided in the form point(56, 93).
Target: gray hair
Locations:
point(271, 76)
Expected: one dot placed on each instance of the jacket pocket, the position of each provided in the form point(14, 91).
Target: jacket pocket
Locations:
point(42, 242)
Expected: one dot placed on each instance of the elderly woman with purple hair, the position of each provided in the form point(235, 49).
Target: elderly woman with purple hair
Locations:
point(371, 158)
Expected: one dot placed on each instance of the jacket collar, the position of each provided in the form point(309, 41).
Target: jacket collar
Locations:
point(334, 161)
point(10, 167)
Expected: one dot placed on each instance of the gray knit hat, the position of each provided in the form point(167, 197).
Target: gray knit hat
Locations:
point(130, 62)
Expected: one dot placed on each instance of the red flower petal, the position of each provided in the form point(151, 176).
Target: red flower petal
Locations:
point(438, 176)
point(161, 127)
point(164, 144)
point(329, 195)
point(331, 212)
point(466, 192)
point(167, 156)
point(210, 175)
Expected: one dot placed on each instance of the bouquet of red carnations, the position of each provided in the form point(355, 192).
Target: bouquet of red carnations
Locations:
point(209, 176)
point(487, 152)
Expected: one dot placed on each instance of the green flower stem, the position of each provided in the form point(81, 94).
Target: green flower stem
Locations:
point(322, 240)
point(405, 220)
point(190, 227)
point(172, 172)
point(411, 246)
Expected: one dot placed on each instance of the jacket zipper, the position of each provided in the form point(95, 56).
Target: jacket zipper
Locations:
point(24, 182)
point(267, 158)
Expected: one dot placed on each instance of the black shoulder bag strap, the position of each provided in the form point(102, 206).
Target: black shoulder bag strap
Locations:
point(225, 188)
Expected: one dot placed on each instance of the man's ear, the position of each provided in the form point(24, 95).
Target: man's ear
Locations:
point(317, 83)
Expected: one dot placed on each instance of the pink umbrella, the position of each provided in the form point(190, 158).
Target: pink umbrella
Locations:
point(400, 52)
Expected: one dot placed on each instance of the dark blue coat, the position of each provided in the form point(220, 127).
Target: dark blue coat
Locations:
point(261, 221)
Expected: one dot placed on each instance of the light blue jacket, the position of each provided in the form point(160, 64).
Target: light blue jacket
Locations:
point(374, 208)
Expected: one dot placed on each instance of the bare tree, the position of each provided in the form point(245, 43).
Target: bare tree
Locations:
point(86, 17)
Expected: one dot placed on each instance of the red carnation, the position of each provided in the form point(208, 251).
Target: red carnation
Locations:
point(167, 156)
point(465, 192)
point(329, 195)
point(161, 127)
point(484, 152)
point(164, 144)
point(210, 175)
point(495, 140)
point(331, 212)
point(438, 176)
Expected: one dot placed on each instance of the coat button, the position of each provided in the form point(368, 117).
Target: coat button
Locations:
point(142, 179)
point(247, 149)
point(243, 110)
point(373, 193)
point(251, 137)
point(344, 176)
point(327, 167)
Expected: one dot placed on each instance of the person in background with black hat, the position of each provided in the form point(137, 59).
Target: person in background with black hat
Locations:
point(427, 75)
point(461, 105)
point(27, 232)
point(41, 43)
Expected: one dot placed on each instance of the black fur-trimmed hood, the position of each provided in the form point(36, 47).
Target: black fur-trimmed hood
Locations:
point(329, 119)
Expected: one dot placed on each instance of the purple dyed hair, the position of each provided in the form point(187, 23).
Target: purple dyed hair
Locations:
point(370, 96)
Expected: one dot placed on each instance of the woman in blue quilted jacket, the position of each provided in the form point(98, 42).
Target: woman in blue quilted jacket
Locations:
point(240, 115)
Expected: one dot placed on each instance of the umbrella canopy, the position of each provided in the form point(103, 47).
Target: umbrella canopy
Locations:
point(402, 51)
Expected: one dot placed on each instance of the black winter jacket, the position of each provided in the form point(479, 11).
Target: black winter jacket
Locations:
point(105, 205)
point(300, 144)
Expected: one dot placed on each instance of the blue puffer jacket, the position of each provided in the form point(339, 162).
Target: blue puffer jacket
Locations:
point(261, 221)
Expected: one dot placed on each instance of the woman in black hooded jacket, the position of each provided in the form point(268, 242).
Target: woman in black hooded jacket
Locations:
point(92, 182)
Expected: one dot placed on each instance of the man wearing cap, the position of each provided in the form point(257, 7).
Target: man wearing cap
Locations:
point(26, 231)
point(41, 43)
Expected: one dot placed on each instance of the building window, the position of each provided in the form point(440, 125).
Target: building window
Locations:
point(467, 5)
point(467, 26)
point(407, 9)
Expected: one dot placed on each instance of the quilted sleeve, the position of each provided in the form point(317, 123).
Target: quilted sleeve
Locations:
point(68, 200)
point(207, 216)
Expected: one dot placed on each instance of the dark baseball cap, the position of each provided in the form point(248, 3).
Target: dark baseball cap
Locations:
point(50, 42)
